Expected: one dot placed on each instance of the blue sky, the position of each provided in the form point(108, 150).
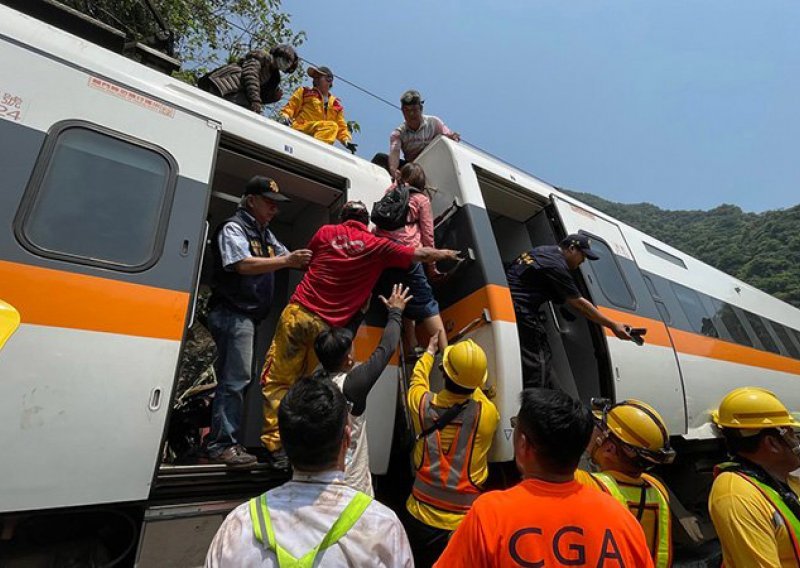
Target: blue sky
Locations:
point(685, 104)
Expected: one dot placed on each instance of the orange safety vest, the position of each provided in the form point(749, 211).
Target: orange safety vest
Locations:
point(443, 479)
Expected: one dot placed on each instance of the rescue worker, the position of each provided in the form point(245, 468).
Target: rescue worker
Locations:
point(413, 135)
point(246, 254)
point(334, 349)
point(254, 80)
point(9, 321)
point(754, 499)
point(315, 519)
point(454, 429)
point(540, 275)
point(628, 439)
point(548, 519)
point(347, 262)
point(317, 112)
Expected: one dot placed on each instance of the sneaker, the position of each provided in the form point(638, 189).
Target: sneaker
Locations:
point(236, 456)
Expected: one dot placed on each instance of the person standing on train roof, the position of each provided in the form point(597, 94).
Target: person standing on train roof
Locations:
point(346, 263)
point(334, 349)
point(454, 430)
point(548, 519)
point(541, 275)
point(755, 499)
point(246, 256)
point(253, 81)
point(413, 135)
point(317, 112)
point(628, 439)
point(416, 232)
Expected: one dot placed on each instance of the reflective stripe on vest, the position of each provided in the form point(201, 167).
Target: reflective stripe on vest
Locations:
point(442, 479)
point(791, 522)
point(662, 556)
point(262, 525)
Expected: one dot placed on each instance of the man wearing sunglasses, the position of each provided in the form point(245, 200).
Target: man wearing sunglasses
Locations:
point(754, 500)
point(317, 112)
point(628, 439)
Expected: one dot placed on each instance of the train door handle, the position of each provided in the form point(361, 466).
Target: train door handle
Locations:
point(556, 321)
point(155, 399)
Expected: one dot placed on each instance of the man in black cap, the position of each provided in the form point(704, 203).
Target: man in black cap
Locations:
point(543, 275)
point(315, 111)
point(413, 136)
point(245, 257)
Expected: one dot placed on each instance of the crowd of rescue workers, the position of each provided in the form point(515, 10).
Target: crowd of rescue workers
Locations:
point(315, 396)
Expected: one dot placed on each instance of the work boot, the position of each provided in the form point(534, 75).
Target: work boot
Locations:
point(236, 456)
point(278, 460)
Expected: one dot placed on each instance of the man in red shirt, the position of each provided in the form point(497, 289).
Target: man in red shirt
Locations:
point(346, 262)
point(549, 519)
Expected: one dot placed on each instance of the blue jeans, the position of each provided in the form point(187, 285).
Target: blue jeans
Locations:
point(234, 335)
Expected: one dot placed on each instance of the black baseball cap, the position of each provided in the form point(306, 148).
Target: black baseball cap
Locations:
point(582, 242)
point(266, 187)
point(320, 71)
point(411, 97)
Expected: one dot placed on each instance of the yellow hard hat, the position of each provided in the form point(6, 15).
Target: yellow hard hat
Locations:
point(752, 408)
point(9, 321)
point(640, 427)
point(465, 364)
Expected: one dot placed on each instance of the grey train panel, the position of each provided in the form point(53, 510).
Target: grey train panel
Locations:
point(174, 270)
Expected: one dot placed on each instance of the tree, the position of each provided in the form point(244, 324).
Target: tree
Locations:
point(207, 33)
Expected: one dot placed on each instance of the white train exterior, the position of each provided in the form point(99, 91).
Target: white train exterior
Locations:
point(114, 175)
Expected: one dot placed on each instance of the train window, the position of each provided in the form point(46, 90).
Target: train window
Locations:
point(98, 199)
point(783, 335)
point(728, 316)
point(609, 276)
point(761, 332)
point(695, 311)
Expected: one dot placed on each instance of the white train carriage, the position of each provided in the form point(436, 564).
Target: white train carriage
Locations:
point(113, 177)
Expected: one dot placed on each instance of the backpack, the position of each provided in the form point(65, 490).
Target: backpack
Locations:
point(391, 211)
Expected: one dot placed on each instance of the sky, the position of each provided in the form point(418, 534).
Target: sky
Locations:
point(684, 104)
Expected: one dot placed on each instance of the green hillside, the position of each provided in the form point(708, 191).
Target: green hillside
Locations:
point(763, 249)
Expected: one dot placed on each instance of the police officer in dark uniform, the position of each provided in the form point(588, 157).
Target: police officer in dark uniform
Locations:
point(246, 254)
point(540, 275)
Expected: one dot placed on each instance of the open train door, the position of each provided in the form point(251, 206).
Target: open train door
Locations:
point(616, 286)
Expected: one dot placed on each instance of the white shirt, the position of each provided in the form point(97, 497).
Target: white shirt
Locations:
point(356, 462)
point(302, 511)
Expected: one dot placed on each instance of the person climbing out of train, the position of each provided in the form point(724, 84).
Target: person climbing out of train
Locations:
point(548, 519)
point(317, 112)
point(413, 135)
point(407, 219)
point(246, 256)
point(454, 430)
point(540, 275)
point(315, 519)
point(629, 438)
point(334, 349)
point(346, 263)
point(254, 80)
point(754, 501)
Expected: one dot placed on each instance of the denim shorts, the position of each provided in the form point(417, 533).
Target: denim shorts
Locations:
point(423, 305)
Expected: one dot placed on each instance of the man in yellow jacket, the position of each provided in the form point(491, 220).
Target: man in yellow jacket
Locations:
point(317, 112)
point(454, 430)
point(629, 438)
point(754, 500)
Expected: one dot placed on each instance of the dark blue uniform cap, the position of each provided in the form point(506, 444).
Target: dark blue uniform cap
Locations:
point(582, 242)
point(266, 187)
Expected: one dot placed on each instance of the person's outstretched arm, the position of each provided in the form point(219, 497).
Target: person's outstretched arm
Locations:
point(362, 378)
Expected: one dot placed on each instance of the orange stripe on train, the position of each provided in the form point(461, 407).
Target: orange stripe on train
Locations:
point(58, 298)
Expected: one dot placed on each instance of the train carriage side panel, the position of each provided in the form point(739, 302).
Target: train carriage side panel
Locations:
point(102, 208)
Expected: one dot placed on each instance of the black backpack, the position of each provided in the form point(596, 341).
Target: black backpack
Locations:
point(391, 211)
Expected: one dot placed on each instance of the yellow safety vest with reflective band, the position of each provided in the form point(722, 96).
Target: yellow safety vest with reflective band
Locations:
point(262, 525)
point(625, 494)
point(789, 519)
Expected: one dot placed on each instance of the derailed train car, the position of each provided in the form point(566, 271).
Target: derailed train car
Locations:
point(113, 177)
